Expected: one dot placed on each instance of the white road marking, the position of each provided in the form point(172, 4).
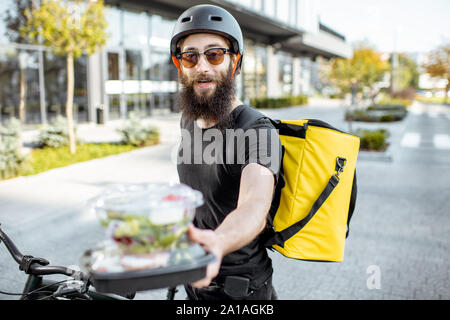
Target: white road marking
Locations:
point(441, 141)
point(410, 140)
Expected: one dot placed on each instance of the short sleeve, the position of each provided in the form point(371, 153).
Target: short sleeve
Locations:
point(262, 146)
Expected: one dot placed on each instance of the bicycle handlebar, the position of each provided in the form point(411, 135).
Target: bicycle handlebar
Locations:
point(35, 266)
point(15, 253)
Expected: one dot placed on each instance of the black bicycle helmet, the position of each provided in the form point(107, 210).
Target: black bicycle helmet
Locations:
point(209, 19)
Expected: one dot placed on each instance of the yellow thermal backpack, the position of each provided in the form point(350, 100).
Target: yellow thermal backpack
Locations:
point(316, 197)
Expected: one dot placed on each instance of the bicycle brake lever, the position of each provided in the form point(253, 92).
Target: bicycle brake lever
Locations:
point(72, 287)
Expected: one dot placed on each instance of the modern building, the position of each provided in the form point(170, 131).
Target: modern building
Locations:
point(283, 40)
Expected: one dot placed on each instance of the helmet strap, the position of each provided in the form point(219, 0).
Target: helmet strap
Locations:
point(176, 62)
point(237, 64)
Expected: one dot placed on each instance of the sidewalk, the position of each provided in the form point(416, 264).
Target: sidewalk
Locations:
point(168, 124)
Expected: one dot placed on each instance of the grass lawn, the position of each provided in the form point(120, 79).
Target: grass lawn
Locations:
point(49, 158)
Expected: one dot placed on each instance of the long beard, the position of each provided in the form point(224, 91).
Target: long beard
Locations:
point(213, 107)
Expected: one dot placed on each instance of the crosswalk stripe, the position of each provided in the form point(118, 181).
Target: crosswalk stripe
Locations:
point(441, 141)
point(410, 140)
point(414, 140)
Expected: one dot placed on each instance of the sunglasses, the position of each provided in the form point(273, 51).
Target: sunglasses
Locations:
point(215, 56)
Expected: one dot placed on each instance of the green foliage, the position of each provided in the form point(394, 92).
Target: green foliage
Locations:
point(70, 29)
point(407, 73)
point(438, 65)
point(395, 101)
point(44, 159)
point(378, 113)
point(282, 102)
point(56, 134)
point(65, 28)
point(373, 140)
point(12, 161)
point(136, 133)
point(433, 100)
point(364, 69)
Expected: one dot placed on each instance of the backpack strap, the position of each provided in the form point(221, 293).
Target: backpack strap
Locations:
point(280, 237)
point(351, 208)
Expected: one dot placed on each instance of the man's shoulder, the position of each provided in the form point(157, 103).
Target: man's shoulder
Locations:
point(251, 118)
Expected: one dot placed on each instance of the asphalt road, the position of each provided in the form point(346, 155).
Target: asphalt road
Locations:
point(399, 241)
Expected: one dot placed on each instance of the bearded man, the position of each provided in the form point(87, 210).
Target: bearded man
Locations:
point(207, 49)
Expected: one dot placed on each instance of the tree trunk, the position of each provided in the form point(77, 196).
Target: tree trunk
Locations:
point(23, 95)
point(447, 88)
point(69, 103)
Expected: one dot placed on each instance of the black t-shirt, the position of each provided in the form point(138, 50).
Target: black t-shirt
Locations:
point(211, 161)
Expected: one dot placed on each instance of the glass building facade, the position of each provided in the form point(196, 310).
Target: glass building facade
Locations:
point(32, 79)
point(139, 73)
point(134, 71)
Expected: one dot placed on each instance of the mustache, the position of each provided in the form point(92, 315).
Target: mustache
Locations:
point(190, 82)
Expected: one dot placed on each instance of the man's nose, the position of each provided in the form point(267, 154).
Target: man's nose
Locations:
point(203, 65)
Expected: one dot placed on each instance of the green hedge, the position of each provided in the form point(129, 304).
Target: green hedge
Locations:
point(378, 113)
point(395, 101)
point(12, 161)
point(55, 134)
point(282, 102)
point(373, 140)
point(135, 133)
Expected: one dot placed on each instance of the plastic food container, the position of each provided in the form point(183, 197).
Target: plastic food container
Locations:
point(144, 224)
point(184, 266)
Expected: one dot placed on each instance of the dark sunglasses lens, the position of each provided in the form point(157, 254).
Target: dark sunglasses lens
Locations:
point(189, 59)
point(215, 56)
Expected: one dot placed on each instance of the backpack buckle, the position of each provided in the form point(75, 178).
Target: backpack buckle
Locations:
point(340, 164)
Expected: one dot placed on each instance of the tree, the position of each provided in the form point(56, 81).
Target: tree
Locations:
point(438, 65)
point(364, 69)
point(407, 74)
point(68, 28)
point(15, 19)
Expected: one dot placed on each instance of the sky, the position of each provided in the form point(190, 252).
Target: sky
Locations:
point(404, 25)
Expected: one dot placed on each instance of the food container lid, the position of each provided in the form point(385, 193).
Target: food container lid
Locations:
point(145, 198)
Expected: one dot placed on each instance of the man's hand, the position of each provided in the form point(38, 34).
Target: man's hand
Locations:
point(210, 243)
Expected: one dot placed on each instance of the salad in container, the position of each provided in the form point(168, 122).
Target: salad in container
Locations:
point(145, 225)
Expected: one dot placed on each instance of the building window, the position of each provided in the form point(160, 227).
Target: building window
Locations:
point(161, 31)
point(293, 12)
point(114, 29)
point(135, 30)
point(113, 66)
point(285, 73)
point(55, 75)
point(254, 71)
point(257, 5)
point(133, 63)
point(270, 8)
point(19, 84)
point(282, 10)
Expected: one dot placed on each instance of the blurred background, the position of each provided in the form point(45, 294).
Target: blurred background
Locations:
point(291, 48)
